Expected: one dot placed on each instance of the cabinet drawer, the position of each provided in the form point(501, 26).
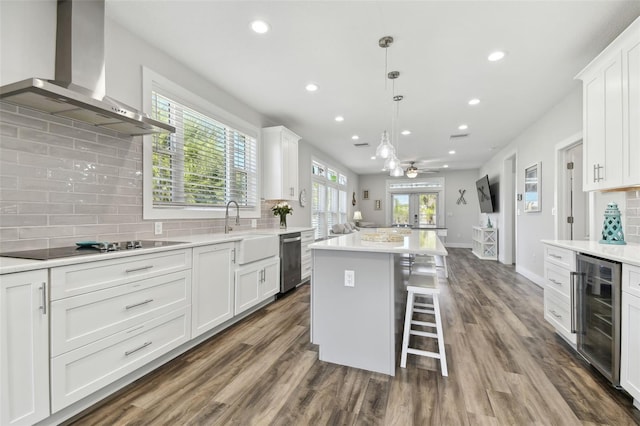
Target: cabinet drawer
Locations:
point(79, 320)
point(558, 313)
point(631, 279)
point(558, 279)
point(78, 373)
point(72, 280)
point(307, 237)
point(560, 256)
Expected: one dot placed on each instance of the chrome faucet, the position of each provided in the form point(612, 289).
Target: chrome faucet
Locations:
point(227, 228)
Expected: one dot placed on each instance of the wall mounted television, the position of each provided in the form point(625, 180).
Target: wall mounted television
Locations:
point(487, 195)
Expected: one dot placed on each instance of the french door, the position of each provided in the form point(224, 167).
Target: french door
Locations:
point(416, 210)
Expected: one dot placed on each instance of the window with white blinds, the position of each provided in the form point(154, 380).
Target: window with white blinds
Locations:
point(329, 198)
point(204, 164)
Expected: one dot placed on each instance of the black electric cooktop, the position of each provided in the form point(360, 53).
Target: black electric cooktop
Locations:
point(86, 248)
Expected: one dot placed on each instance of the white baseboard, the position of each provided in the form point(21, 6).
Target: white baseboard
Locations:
point(537, 279)
point(458, 245)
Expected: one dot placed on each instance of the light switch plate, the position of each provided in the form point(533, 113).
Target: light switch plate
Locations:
point(158, 228)
point(349, 278)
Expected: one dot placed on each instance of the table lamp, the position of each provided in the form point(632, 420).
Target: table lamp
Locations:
point(357, 216)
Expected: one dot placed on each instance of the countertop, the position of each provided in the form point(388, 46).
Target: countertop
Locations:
point(628, 253)
point(10, 265)
point(418, 242)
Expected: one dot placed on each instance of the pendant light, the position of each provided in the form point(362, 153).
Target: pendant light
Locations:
point(385, 150)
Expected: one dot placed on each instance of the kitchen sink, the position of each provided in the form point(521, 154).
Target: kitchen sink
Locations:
point(256, 247)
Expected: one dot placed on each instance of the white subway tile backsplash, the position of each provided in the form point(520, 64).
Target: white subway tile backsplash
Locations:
point(63, 181)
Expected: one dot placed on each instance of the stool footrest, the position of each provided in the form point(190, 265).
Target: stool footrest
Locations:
point(422, 305)
point(423, 334)
point(423, 353)
point(423, 323)
point(424, 311)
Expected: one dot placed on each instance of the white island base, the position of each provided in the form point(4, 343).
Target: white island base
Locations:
point(358, 326)
point(361, 326)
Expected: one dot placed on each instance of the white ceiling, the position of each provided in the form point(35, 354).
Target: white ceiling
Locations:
point(440, 50)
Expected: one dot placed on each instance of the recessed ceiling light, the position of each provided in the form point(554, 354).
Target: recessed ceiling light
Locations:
point(339, 118)
point(311, 87)
point(496, 56)
point(406, 132)
point(259, 26)
point(452, 152)
point(474, 101)
point(463, 127)
point(446, 166)
point(373, 157)
point(355, 137)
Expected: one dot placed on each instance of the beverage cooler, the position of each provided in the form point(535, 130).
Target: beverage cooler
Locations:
point(597, 305)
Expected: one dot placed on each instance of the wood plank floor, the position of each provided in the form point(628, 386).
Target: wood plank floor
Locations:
point(506, 367)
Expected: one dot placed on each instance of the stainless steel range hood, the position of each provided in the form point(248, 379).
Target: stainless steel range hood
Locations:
point(78, 91)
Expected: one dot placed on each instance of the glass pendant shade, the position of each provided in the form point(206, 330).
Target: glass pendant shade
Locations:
point(385, 149)
point(397, 171)
point(392, 162)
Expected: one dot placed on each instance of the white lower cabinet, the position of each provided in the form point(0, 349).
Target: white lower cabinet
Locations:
point(256, 282)
point(305, 261)
point(24, 348)
point(80, 372)
point(630, 338)
point(559, 263)
point(112, 317)
point(213, 290)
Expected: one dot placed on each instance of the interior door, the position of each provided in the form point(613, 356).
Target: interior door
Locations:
point(577, 204)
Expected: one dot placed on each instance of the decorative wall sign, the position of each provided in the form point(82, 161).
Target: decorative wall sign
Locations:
point(378, 205)
point(365, 194)
point(532, 185)
point(461, 199)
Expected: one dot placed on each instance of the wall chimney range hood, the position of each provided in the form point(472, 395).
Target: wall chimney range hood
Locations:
point(78, 91)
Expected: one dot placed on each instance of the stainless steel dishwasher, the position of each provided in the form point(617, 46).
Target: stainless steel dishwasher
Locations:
point(290, 261)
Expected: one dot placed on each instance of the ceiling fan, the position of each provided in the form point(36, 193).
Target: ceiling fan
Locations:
point(412, 171)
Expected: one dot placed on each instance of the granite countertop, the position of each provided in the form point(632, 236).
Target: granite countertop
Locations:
point(10, 265)
point(417, 242)
point(628, 253)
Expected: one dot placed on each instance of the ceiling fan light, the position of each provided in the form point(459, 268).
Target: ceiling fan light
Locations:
point(412, 172)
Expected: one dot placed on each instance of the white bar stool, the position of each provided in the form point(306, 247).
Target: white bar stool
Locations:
point(423, 285)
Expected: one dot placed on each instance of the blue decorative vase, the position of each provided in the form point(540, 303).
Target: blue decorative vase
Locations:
point(612, 227)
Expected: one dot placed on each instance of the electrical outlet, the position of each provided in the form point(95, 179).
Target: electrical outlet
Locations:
point(349, 278)
point(158, 228)
point(254, 223)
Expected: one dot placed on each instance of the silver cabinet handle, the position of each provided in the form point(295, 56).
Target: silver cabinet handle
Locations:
point(144, 345)
point(555, 282)
point(595, 178)
point(139, 304)
point(291, 240)
point(142, 268)
point(572, 292)
point(555, 256)
point(43, 294)
point(555, 314)
point(233, 259)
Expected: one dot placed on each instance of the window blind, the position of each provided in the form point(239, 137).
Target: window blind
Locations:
point(205, 163)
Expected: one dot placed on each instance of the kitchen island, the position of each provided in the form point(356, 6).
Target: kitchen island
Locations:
point(358, 297)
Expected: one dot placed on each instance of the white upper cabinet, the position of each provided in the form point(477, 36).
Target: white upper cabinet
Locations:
point(279, 163)
point(611, 114)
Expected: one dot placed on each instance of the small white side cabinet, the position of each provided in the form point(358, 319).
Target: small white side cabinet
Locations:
point(256, 282)
point(485, 243)
point(24, 348)
point(559, 263)
point(611, 114)
point(279, 163)
point(630, 338)
point(212, 286)
point(307, 238)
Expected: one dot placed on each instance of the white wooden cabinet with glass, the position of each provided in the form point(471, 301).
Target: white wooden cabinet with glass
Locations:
point(279, 163)
point(630, 338)
point(212, 286)
point(611, 114)
point(24, 348)
point(256, 282)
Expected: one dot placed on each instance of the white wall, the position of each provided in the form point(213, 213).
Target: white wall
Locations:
point(459, 217)
point(535, 144)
